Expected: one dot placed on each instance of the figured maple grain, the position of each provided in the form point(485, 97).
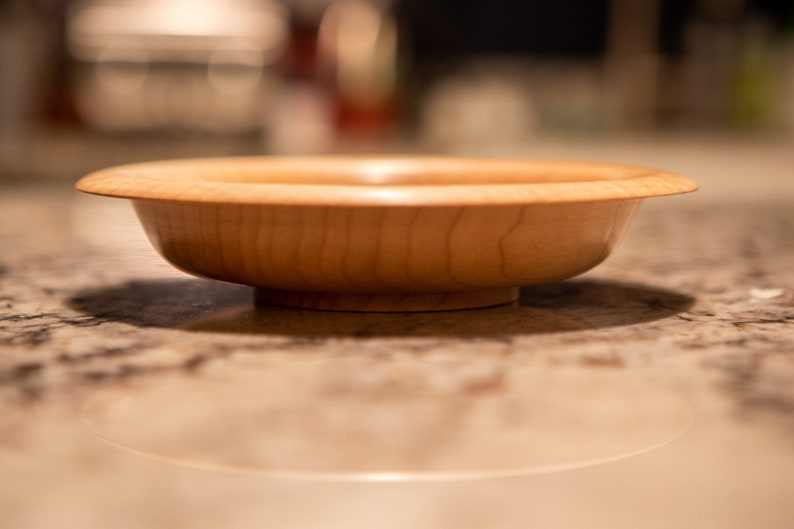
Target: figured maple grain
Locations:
point(384, 234)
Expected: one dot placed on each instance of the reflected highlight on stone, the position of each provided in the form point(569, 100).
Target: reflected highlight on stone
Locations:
point(429, 416)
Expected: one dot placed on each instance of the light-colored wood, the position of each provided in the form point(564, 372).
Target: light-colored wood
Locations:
point(381, 181)
point(385, 234)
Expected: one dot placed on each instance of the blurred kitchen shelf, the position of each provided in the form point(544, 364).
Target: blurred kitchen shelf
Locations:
point(68, 155)
point(727, 166)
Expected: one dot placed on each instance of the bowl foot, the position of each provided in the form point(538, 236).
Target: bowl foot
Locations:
point(421, 302)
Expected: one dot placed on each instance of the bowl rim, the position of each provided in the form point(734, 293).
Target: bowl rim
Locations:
point(176, 181)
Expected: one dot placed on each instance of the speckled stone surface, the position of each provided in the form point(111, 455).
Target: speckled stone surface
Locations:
point(697, 303)
point(85, 300)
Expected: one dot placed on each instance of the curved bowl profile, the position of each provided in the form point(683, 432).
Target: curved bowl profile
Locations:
point(384, 234)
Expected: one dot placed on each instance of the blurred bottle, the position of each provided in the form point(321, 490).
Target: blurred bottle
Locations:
point(357, 46)
point(340, 77)
point(788, 73)
point(302, 121)
point(757, 87)
point(23, 62)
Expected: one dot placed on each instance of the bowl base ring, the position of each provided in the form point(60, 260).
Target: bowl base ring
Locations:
point(380, 302)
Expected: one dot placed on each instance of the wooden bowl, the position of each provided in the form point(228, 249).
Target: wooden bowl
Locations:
point(387, 233)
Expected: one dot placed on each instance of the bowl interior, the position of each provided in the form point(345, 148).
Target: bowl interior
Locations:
point(381, 181)
point(389, 172)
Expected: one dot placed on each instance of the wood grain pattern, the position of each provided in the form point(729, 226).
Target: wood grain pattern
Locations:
point(381, 181)
point(430, 251)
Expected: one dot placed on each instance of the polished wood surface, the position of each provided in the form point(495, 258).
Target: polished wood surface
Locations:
point(381, 181)
point(392, 234)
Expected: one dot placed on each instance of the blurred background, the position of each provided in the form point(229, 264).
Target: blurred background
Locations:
point(90, 83)
point(89, 314)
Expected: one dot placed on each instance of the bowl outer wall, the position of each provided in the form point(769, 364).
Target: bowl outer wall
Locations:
point(412, 249)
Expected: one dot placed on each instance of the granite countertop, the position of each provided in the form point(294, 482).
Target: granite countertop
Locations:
point(654, 391)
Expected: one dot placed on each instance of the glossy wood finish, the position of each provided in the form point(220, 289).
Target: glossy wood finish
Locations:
point(391, 234)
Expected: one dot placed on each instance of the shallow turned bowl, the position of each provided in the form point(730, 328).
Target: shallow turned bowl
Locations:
point(384, 234)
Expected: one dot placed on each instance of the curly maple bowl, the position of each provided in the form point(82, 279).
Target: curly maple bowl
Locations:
point(385, 233)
